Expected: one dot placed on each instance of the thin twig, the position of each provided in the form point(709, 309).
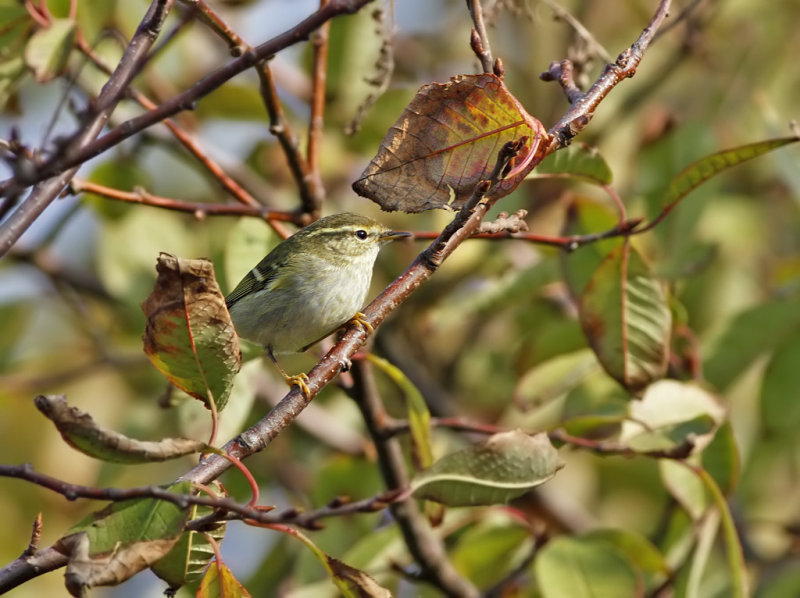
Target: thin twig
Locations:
point(310, 192)
point(188, 142)
point(425, 546)
point(566, 16)
point(100, 110)
point(479, 39)
point(318, 89)
point(200, 209)
point(64, 164)
point(583, 107)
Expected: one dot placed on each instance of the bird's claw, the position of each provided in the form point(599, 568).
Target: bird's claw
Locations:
point(300, 381)
point(361, 320)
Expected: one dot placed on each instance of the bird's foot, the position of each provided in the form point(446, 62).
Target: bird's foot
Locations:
point(361, 320)
point(300, 381)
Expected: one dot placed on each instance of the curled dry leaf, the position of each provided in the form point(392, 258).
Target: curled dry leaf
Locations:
point(446, 141)
point(189, 335)
point(113, 544)
point(80, 431)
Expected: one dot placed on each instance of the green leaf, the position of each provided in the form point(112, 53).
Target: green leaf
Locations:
point(780, 406)
point(11, 72)
point(503, 467)
point(626, 318)
point(109, 546)
point(419, 418)
point(750, 335)
point(577, 160)
point(586, 216)
point(721, 459)
point(637, 549)
point(232, 101)
point(554, 378)
point(190, 556)
point(351, 582)
point(574, 568)
point(487, 552)
point(189, 335)
point(219, 582)
point(125, 174)
point(670, 413)
point(446, 141)
point(685, 487)
point(48, 49)
point(737, 570)
point(700, 171)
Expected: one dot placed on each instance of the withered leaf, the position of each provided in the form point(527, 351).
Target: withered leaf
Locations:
point(111, 545)
point(446, 141)
point(220, 582)
point(354, 582)
point(189, 558)
point(189, 335)
point(80, 431)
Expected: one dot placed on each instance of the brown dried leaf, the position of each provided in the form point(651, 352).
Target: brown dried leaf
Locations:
point(87, 571)
point(354, 582)
point(81, 432)
point(111, 545)
point(446, 141)
point(189, 335)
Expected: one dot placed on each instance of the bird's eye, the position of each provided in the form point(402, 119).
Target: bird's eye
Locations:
point(361, 234)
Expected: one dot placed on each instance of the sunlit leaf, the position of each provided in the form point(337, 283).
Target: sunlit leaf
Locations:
point(780, 406)
point(554, 378)
point(446, 141)
point(419, 417)
point(749, 335)
point(81, 432)
point(670, 413)
point(487, 552)
point(685, 487)
point(586, 216)
point(190, 556)
point(48, 49)
point(721, 459)
point(503, 467)
point(111, 545)
point(626, 318)
point(219, 582)
point(574, 568)
point(737, 571)
point(351, 582)
point(637, 549)
point(189, 335)
point(700, 171)
point(577, 160)
point(11, 72)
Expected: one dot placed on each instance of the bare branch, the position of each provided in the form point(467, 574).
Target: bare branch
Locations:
point(479, 40)
point(64, 165)
point(583, 107)
point(97, 117)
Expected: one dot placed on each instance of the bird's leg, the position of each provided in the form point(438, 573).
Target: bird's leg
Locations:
point(300, 380)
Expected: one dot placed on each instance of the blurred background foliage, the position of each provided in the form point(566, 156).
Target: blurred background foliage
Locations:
point(492, 336)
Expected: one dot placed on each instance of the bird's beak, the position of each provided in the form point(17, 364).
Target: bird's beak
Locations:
point(393, 235)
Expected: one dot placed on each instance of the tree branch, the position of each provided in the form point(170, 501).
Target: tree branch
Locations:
point(583, 106)
point(64, 165)
point(97, 116)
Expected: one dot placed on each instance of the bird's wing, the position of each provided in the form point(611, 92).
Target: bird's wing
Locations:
point(262, 277)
